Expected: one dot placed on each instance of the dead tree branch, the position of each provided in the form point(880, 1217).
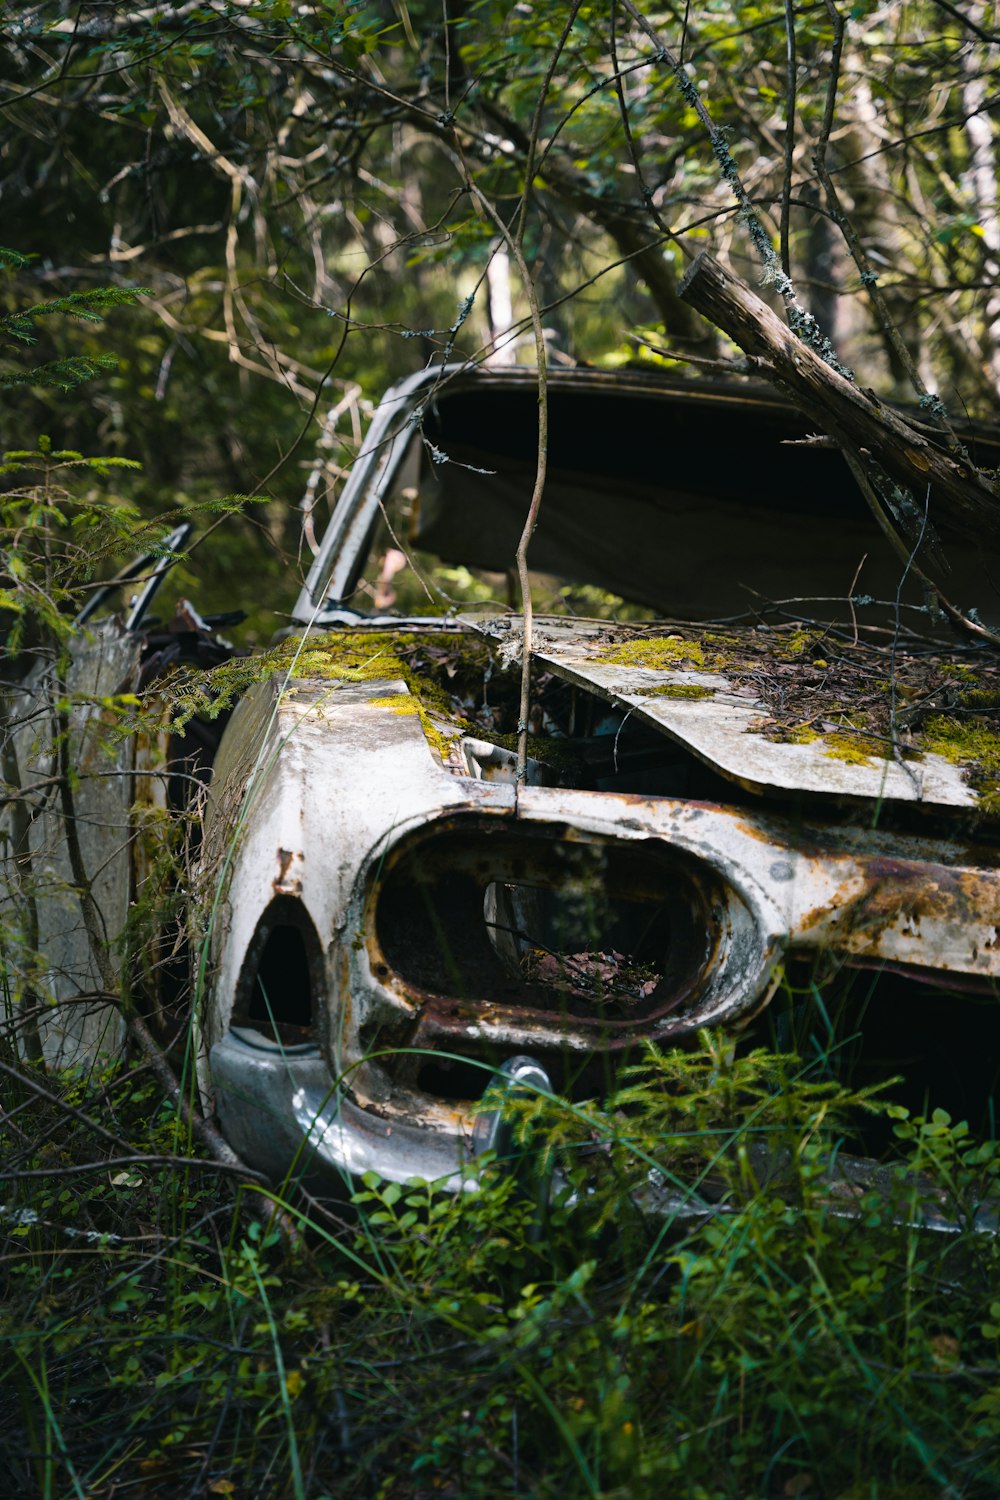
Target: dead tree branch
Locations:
point(880, 446)
point(965, 498)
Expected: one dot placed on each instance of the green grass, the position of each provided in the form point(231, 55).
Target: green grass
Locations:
point(162, 1340)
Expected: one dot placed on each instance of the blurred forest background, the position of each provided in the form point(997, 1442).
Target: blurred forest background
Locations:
point(321, 198)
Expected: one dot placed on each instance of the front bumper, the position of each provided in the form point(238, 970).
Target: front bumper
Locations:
point(280, 1108)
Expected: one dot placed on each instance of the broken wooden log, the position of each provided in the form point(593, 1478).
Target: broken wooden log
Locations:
point(885, 444)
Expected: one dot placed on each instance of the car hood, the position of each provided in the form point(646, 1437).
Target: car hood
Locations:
point(775, 712)
point(702, 688)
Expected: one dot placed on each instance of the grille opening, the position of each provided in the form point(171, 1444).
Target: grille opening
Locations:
point(463, 1080)
point(600, 934)
point(867, 1027)
point(573, 1076)
point(465, 1066)
point(459, 1081)
point(281, 974)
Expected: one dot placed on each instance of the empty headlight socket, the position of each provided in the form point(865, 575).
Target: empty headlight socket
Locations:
point(473, 922)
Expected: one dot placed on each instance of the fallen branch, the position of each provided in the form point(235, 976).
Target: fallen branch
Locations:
point(964, 497)
point(140, 1159)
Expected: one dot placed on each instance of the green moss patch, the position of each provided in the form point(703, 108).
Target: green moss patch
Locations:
point(797, 734)
point(688, 690)
point(400, 703)
point(440, 736)
point(974, 747)
point(802, 642)
point(348, 656)
point(733, 652)
point(980, 698)
point(658, 653)
point(855, 749)
point(367, 656)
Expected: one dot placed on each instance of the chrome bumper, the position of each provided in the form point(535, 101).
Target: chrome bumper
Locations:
point(280, 1109)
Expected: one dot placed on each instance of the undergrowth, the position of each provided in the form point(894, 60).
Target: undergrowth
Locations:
point(699, 1303)
point(706, 1308)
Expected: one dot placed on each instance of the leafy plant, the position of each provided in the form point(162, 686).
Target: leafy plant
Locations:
point(682, 1320)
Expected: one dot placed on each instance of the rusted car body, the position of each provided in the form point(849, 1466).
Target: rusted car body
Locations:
point(761, 774)
point(721, 785)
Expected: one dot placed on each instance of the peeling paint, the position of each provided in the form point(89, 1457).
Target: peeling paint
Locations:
point(285, 883)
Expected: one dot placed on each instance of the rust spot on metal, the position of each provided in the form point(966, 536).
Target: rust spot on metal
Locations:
point(282, 884)
point(929, 905)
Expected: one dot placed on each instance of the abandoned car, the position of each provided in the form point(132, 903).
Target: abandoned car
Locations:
point(755, 754)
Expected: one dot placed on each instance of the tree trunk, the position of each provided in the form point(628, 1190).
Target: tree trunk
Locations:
point(982, 178)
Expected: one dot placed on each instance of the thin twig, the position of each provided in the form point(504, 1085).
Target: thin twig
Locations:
point(893, 727)
point(197, 1163)
point(536, 123)
point(531, 520)
point(850, 598)
point(634, 156)
point(790, 96)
